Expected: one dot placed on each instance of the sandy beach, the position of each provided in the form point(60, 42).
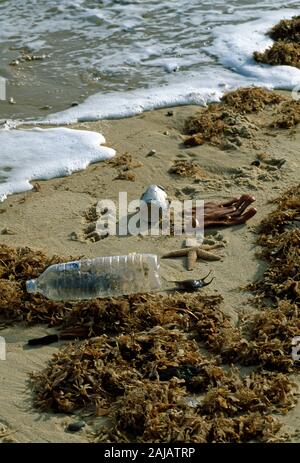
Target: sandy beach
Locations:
point(53, 218)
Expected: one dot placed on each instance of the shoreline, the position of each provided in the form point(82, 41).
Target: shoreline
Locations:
point(53, 219)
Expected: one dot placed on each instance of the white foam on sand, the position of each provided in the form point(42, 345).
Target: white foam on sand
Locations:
point(41, 154)
point(126, 104)
point(199, 90)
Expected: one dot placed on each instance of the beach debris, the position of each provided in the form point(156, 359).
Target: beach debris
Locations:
point(280, 238)
point(251, 99)
point(125, 175)
point(264, 160)
point(95, 236)
point(91, 230)
point(151, 153)
point(27, 56)
point(126, 161)
point(280, 53)
point(156, 199)
point(286, 30)
point(37, 187)
point(228, 145)
point(192, 285)
point(194, 253)
point(6, 433)
point(76, 426)
point(7, 231)
point(287, 115)
point(170, 113)
point(73, 236)
point(79, 332)
point(47, 107)
point(143, 360)
point(30, 57)
point(286, 48)
point(144, 382)
point(218, 126)
point(226, 124)
point(231, 212)
point(12, 100)
point(256, 163)
point(98, 277)
point(185, 168)
point(194, 140)
point(43, 341)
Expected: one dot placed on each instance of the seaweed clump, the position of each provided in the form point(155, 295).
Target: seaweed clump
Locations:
point(287, 116)
point(287, 30)
point(122, 378)
point(286, 48)
point(17, 266)
point(226, 124)
point(282, 53)
point(278, 323)
point(125, 163)
point(187, 169)
point(280, 239)
point(251, 99)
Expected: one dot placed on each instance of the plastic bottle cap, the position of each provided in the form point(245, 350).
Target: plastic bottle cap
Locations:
point(31, 286)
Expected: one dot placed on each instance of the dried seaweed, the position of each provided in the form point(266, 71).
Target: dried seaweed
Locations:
point(125, 175)
point(17, 266)
point(283, 53)
point(276, 325)
point(126, 161)
point(153, 363)
point(187, 169)
point(287, 116)
point(225, 123)
point(286, 48)
point(280, 238)
point(287, 30)
point(121, 375)
point(194, 140)
point(251, 99)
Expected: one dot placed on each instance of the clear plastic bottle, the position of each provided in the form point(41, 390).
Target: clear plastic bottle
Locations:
point(99, 277)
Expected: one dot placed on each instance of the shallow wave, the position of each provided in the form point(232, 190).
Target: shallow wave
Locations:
point(123, 45)
point(233, 46)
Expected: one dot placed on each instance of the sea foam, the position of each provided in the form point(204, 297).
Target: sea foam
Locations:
point(41, 154)
point(233, 46)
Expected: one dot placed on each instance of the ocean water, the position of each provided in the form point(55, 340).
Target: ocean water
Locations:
point(117, 58)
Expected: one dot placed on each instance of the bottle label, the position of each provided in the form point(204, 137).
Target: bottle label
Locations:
point(68, 266)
